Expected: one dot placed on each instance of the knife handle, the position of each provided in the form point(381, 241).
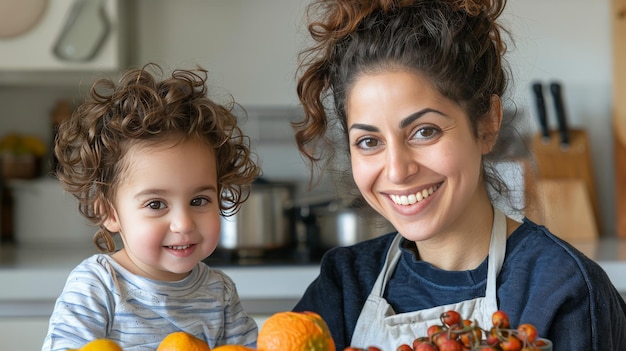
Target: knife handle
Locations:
point(541, 110)
point(555, 88)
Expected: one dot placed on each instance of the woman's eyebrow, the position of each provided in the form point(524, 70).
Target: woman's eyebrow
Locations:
point(403, 123)
point(412, 117)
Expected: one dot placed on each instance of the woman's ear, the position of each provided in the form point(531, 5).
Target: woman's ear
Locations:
point(490, 127)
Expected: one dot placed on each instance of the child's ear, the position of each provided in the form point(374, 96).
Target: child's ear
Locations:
point(111, 221)
point(490, 127)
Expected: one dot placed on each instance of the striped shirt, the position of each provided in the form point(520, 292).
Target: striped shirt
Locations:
point(101, 299)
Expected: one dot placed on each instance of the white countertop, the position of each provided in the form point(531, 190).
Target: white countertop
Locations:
point(32, 277)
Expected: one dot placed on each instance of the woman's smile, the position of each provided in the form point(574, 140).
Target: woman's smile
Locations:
point(413, 198)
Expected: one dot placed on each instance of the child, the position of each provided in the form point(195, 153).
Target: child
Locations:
point(157, 162)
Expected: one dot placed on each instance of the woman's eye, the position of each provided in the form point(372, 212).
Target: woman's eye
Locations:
point(367, 143)
point(426, 133)
point(156, 205)
point(201, 201)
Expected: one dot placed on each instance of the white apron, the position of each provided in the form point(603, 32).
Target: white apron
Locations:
point(378, 325)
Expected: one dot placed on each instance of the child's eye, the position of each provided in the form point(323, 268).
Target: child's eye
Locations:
point(156, 205)
point(200, 201)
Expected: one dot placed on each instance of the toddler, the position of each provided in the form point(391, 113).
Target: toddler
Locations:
point(157, 162)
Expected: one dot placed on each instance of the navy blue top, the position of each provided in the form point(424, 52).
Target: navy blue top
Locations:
point(544, 281)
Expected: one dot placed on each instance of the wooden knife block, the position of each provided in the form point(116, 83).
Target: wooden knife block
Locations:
point(560, 189)
point(563, 206)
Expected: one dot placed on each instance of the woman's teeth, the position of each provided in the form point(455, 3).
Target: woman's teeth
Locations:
point(413, 198)
point(179, 247)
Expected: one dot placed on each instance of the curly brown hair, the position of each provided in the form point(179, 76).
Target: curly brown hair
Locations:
point(457, 44)
point(90, 146)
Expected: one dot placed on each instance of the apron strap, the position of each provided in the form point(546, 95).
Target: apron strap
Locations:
point(497, 251)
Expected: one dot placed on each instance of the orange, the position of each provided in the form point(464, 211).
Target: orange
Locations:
point(100, 345)
point(233, 348)
point(295, 331)
point(182, 341)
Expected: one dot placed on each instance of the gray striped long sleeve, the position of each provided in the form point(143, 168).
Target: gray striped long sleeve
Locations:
point(103, 300)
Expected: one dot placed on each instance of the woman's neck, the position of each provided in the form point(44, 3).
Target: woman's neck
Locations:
point(462, 246)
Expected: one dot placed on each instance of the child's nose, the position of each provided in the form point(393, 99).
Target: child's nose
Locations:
point(182, 222)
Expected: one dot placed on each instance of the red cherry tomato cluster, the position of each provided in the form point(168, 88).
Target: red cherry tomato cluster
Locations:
point(458, 334)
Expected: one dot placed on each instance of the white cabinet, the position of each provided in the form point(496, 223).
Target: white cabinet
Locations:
point(69, 36)
point(25, 333)
point(39, 56)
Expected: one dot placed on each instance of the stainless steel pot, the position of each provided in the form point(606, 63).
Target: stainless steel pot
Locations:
point(344, 226)
point(263, 222)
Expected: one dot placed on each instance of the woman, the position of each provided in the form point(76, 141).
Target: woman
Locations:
point(416, 89)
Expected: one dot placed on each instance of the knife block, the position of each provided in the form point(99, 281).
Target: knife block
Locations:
point(562, 184)
point(563, 206)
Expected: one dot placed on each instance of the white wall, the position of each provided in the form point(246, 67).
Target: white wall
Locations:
point(250, 47)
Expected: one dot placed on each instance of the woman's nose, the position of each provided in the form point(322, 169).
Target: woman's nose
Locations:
point(182, 222)
point(401, 163)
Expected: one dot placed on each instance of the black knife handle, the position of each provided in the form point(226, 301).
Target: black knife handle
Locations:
point(555, 88)
point(541, 110)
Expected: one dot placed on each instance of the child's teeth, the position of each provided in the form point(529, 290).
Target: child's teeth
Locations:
point(179, 247)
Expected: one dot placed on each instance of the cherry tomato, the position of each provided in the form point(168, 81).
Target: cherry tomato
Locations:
point(439, 339)
point(450, 345)
point(511, 344)
point(424, 346)
point(527, 333)
point(472, 336)
point(492, 339)
point(434, 329)
point(420, 340)
point(451, 318)
point(404, 347)
point(500, 319)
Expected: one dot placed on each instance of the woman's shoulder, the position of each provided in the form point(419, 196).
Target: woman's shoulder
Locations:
point(535, 245)
point(531, 240)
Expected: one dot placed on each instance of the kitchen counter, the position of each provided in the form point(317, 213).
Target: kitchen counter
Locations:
point(32, 277)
